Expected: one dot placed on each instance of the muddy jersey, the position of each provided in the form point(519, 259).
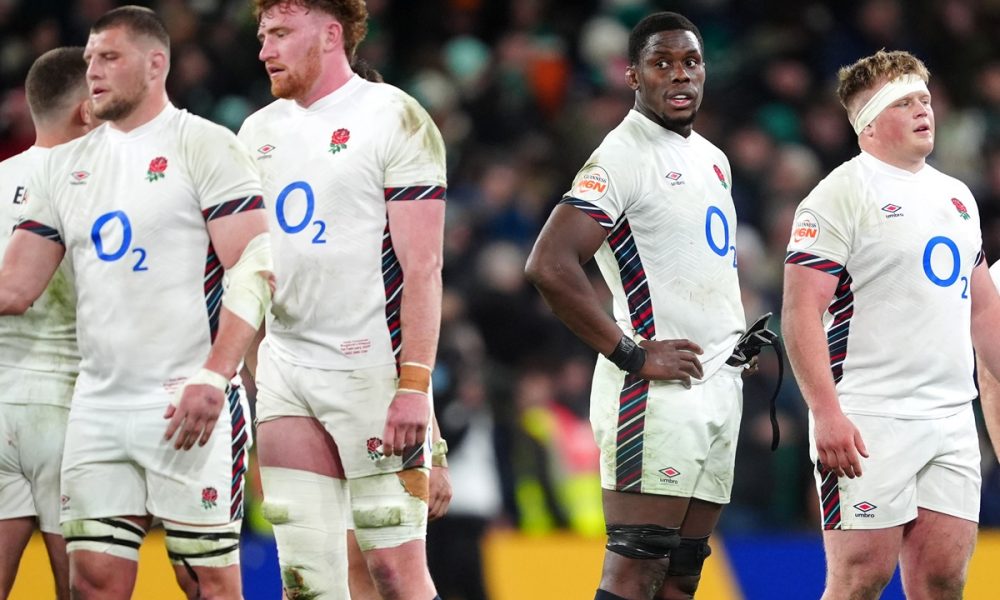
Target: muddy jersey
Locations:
point(903, 246)
point(131, 210)
point(39, 360)
point(328, 171)
point(670, 253)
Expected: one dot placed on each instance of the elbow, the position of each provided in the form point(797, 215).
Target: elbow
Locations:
point(540, 272)
point(786, 317)
point(533, 270)
point(790, 320)
point(425, 269)
point(15, 305)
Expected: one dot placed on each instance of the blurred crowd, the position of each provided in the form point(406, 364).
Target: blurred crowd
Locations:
point(523, 91)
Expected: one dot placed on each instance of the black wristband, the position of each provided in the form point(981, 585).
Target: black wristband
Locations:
point(628, 356)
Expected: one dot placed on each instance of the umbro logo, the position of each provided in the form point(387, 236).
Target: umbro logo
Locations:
point(670, 473)
point(265, 151)
point(892, 210)
point(78, 177)
point(865, 509)
point(675, 178)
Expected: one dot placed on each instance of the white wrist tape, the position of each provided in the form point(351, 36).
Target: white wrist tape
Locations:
point(886, 95)
point(208, 377)
point(247, 293)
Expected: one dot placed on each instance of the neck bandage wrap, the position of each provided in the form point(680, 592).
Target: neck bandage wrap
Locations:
point(886, 95)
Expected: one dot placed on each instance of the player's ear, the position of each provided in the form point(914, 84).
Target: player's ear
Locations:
point(85, 113)
point(632, 77)
point(159, 62)
point(333, 37)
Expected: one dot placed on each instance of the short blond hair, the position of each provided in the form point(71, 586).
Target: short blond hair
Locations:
point(872, 71)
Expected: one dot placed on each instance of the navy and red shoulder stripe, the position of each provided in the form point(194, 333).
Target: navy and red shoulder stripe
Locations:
point(40, 229)
point(591, 210)
point(232, 207)
point(814, 262)
point(415, 192)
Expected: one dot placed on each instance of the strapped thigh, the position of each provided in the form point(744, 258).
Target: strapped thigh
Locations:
point(643, 541)
point(209, 546)
point(390, 509)
point(307, 511)
point(688, 559)
point(112, 535)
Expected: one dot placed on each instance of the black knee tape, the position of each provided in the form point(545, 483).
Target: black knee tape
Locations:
point(642, 541)
point(689, 557)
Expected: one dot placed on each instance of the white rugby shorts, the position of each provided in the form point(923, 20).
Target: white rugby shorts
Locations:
point(117, 464)
point(351, 405)
point(31, 450)
point(928, 463)
point(660, 438)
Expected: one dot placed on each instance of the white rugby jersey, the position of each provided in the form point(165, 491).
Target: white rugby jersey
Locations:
point(328, 171)
point(131, 209)
point(903, 246)
point(670, 254)
point(39, 360)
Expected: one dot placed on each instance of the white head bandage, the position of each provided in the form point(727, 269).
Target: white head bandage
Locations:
point(886, 95)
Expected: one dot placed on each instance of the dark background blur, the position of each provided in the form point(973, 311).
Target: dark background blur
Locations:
point(523, 91)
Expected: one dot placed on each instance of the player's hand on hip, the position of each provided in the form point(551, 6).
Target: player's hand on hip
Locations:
point(671, 360)
point(194, 417)
point(839, 446)
point(406, 423)
point(751, 368)
point(440, 496)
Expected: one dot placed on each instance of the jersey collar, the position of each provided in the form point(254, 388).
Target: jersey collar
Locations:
point(886, 169)
point(333, 97)
point(658, 130)
point(148, 127)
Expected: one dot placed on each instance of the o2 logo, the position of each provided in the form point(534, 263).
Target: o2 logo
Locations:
point(949, 277)
point(104, 225)
point(714, 214)
point(307, 218)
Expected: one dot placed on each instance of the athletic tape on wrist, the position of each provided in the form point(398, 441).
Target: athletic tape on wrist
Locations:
point(414, 377)
point(208, 377)
point(628, 356)
point(439, 453)
point(886, 95)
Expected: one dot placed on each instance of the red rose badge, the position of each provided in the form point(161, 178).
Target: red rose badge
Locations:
point(339, 140)
point(960, 208)
point(209, 498)
point(374, 447)
point(157, 169)
point(721, 176)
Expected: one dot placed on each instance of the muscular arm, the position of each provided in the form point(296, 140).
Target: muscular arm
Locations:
point(985, 326)
point(569, 239)
point(230, 236)
point(194, 417)
point(418, 238)
point(807, 294)
point(28, 265)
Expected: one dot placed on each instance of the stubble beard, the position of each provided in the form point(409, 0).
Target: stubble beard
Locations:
point(123, 105)
point(295, 84)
